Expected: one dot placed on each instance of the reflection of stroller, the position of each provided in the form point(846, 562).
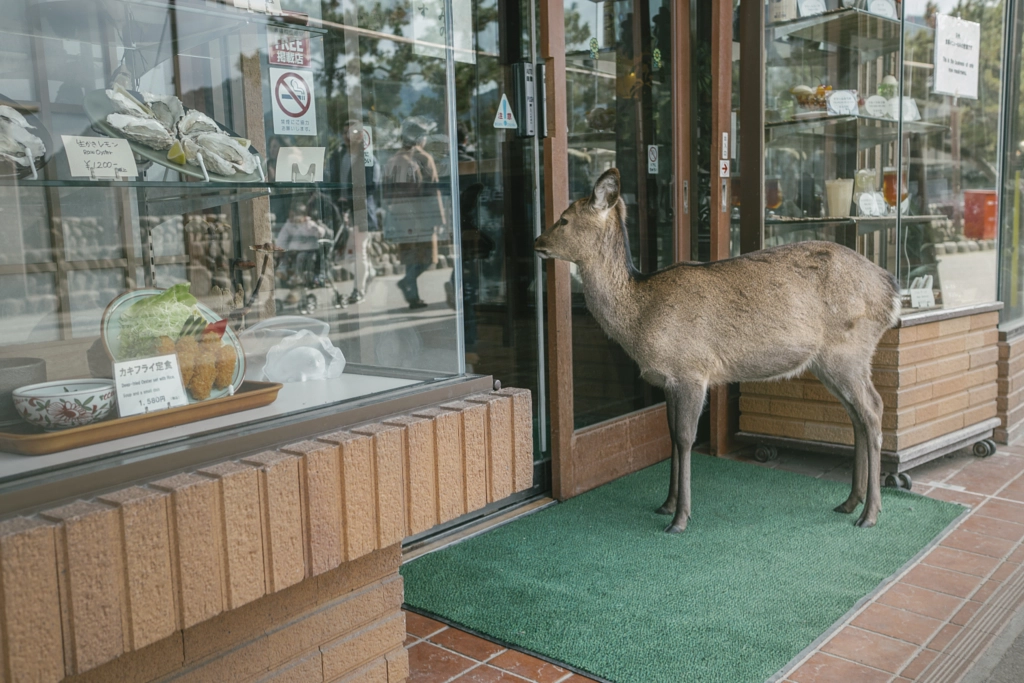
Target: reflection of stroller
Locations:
point(311, 279)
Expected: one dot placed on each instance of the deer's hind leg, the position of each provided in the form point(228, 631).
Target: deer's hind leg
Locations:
point(686, 404)
point(669, 506)
point(849, 379)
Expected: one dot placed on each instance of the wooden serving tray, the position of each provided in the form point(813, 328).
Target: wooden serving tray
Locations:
point(28, 440)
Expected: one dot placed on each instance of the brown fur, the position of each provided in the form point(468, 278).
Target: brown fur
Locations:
point(771, 314)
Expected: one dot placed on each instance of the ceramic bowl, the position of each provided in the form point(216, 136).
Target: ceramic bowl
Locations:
point(62, 405)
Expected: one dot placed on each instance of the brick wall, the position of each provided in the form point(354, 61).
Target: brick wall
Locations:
point(1010, 400)
point(257, 555)
point(934, 378)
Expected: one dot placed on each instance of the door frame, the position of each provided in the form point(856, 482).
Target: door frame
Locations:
point(640, 438)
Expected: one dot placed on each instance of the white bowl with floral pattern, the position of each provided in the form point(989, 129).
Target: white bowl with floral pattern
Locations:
point(66, 404)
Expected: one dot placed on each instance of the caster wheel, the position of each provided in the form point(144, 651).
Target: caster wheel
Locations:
point(892, 481)
point(310, 302)
point(765, 453)
point(906, 483)
point(985, 448)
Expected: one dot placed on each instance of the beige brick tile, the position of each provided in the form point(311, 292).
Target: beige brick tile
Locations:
point(829, 433)
point(389, 456)
point(307, 669)
point(789, 388)
point(320, 489)
point(954, 326)
point(943, 367)
point(420, 472)
point(30, 609)
point(358, 500)
point(195, 546)
point(374, 672)
point(450, 472)
point(500, 474)
point(361, 572)
point(984, 356)
point(280, 518)
point(915, 395)
point(926, 412)
point(238, 499)
point(931, 430)
point(522, 436)
point(153, 662)
point(91, 580)
point(986, 321)
point(348, 653)
point(473, 437)
point(980, 413)
point(398, 665)
point(149, 586)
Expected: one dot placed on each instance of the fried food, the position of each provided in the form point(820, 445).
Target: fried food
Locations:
point(226, 360)
point(164, 346)
point(205, 368)
point(188, 350)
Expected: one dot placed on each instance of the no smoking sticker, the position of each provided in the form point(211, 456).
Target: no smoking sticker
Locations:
point(293, 102)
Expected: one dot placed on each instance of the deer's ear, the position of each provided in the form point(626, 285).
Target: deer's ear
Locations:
point(606, 191)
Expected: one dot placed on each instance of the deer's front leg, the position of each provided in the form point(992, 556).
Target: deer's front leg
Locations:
point(669, 506)
point(688, 400)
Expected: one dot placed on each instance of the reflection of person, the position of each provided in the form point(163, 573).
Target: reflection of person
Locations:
point(300, 237)
point(341, 162)
point(415, 212)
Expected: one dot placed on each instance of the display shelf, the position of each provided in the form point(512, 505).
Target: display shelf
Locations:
point(866, 225)
point(850, 27)
point(875, 130)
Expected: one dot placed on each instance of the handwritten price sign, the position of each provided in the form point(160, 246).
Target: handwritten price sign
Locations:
point(99, 158)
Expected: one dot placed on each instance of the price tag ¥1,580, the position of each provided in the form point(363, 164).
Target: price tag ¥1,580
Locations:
point(146, 385)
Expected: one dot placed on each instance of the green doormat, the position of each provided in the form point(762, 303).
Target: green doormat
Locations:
point(763, 569)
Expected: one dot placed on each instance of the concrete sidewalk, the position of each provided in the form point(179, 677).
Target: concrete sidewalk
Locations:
point(937, 622)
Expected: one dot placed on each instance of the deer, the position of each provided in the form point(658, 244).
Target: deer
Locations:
point(763, 316)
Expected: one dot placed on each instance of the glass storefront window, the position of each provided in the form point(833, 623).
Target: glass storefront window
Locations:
point(1011, 206)
point(867, 145)
point(291, 173)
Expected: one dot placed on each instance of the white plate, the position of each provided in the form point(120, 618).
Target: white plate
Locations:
point(110, 330)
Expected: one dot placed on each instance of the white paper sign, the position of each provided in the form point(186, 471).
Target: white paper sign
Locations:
point(922, 298)
point(300, 165)
point(504, 118)
point(148, 384)
point(367, 146)
point(99, 157)
point(292, 101)
point(723, 168)
point(876, 106)
point(957, 44)
point(910, 110)
point(882, 8)
point(842, 102)
point(809, 8)
point(652, 159)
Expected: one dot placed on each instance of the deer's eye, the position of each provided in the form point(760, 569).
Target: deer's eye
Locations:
point(561, 222)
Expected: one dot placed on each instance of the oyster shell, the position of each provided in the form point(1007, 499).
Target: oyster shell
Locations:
point(145, 131)
point(167, 109)
point(195, 122)
point(17, 144)
point(14, 116)
point(214, 162)
point(229, 150)
point(125, 103)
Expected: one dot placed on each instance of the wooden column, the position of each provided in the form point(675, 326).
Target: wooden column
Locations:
point(556, 199)
point(721, 114)
point(681, 98)
point(751, 142)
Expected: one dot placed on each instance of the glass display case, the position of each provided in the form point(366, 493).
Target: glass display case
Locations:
point(281, 175)
point(881, 135)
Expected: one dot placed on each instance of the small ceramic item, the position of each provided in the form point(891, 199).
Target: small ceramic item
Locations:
point(63, 405)
point(887, 88)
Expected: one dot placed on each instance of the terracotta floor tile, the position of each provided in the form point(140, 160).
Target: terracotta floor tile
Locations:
point(528, 667)
point(871, 649)
point(961, 539)
point(951, 496)
point(431, 664)
point(941, 469)
point(918, 664)
point(1003, 509)
point(942, 638)
point(823, 668)
point(897, 623)
point(921, 600)
point(421, 626)
point(1004, 571)
point(488, 674)
point(985, 592)
point(410, 639)
point(989, 475)
point(1015, 490)
point(994, 527)
point(964, 614)
point(466, 644)
point(961, 561)
point(942, 580)
point(1017, 556)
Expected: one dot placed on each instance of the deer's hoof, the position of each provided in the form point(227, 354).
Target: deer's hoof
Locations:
point(666, 509)
point(847, 507)
point(865, 522)
point(677, 526)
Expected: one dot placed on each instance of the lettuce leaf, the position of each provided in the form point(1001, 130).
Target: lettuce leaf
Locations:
point(162, 315)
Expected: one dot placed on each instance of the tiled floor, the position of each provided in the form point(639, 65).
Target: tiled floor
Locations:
point(930, 624)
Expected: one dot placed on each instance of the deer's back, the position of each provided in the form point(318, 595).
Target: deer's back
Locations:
point(762, 315)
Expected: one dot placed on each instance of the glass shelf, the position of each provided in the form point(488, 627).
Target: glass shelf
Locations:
point(850, 28)
point(866, 225)
point(870, 130)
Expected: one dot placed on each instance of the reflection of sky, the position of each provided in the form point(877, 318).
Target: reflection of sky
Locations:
point(916, 8)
